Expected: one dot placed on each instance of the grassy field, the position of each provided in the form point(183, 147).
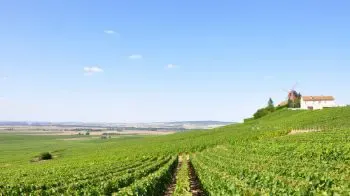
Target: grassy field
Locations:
point(18, 150)
point(255, 157)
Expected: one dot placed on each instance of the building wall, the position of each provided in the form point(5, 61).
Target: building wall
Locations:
point(316, 104)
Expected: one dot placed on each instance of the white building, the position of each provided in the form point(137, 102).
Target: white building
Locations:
point(317, 102)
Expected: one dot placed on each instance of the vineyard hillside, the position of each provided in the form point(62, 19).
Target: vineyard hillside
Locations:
point(256, 157)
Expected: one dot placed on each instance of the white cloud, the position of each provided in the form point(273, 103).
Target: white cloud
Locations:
point(171, 66)
point(109, 31)
point(135, 56)
point(92, 70)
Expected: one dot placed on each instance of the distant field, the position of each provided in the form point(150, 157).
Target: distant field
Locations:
point(257, 157)
point(35, 131)
point(18, 150)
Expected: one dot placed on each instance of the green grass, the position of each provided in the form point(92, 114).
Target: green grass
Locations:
point(254, 157)
point(182, 180)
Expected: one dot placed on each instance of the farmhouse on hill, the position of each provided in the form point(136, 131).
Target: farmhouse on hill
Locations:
point(317, 102)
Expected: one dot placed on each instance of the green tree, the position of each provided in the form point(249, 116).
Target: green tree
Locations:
point(296, 102)
point(270, 103)
point(270, 106)
point(290, 103)
point(265, 111)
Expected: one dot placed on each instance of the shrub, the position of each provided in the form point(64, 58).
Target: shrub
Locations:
point(265, 111)
point(45, 156)
point(248, 119)
point(281, 107)
point(261, 113)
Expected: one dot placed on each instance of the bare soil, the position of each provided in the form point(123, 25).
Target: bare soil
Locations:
point(171, 188)
point(293, 132)
point(195, 185)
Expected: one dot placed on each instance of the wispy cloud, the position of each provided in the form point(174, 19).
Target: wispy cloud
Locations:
point(171, 66)
point(92, 70)
point(135, 56)
point(4, 77)
point(109, 31)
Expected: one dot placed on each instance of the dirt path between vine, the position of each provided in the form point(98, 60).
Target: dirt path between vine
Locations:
point(171, 188)
point(196, 187)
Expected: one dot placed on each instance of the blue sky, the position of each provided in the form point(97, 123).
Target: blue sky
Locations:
point(132, 61)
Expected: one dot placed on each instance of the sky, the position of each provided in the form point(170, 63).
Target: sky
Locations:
point(147, 61)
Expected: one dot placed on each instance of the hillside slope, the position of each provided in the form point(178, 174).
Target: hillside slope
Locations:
point(269, 161)
point(254, 157)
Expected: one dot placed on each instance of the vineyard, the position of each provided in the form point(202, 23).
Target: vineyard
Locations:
point(257, 157)
point(304, 164)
